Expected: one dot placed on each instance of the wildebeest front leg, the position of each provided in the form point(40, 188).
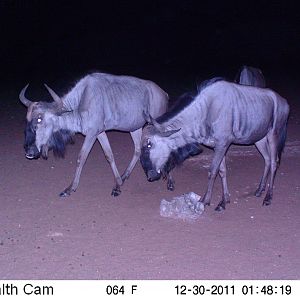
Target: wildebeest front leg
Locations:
point(214, 168)
point(102, 138)
point(170, 182)
point(84, 152)
point(136, 137)
point(225, 198)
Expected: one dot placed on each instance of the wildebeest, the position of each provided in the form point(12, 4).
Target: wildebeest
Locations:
point(223, 113)
point(97, 103)
point(251, 76)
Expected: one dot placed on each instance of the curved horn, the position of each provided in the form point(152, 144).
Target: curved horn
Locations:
point(169, 132)
point(22, 97)
point(55, 97)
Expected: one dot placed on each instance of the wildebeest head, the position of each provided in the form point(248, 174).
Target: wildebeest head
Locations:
point(160, 151)
point(42, 132)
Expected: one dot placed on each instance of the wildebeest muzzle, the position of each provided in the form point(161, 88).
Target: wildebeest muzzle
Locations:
point(32, 152)
point(152, 175)
point(147, 165)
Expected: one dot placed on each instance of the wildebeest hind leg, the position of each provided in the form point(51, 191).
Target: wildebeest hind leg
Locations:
point(136, 137)
point(103, 140)
point(264, 150)
point(84, 152)
point(272, 139)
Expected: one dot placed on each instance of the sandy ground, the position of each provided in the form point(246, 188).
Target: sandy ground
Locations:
point(92, 235)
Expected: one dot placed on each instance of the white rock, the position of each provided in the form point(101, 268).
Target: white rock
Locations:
point(186, 206)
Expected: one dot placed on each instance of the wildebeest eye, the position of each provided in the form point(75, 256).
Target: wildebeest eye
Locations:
point(149, 144)
point(39, 119)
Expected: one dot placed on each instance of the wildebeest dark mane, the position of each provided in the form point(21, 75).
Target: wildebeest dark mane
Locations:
point(59, 140)
point(46, 105)
point(185, 100)
point(178, 156)
point(71, 83)
point(204, 84)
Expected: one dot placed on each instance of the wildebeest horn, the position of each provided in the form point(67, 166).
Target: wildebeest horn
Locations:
point(169, 132)
point(22, 97)
point(55, 97)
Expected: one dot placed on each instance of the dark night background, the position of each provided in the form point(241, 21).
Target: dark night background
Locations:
point(175, 43)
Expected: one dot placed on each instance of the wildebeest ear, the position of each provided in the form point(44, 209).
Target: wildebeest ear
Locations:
point(147, 117)
point(169, 132)
point(22, 97)
point(150, 120)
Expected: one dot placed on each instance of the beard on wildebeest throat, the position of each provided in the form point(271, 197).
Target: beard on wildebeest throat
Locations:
point(59, 140)
point(176, 158)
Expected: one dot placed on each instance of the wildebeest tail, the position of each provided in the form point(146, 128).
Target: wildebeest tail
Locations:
point(281, 141)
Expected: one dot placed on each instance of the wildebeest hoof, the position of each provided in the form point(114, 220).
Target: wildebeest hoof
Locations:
point(65, 193)
point(266, 202)
point(258, 192)
point(170, 186)
point(220, 207)
point(116, 192)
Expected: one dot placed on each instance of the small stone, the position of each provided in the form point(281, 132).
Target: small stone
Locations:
point(186, 207)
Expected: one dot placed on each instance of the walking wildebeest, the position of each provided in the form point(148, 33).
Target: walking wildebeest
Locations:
point(251, 76)
point(97, 103)
point(223, 113)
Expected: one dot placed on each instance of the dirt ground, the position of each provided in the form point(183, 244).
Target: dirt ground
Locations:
point(92, 235)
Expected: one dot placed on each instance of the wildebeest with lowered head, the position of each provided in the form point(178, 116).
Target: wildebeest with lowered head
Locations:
point(97, 103)
point(223, 113)
point(250, 76)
